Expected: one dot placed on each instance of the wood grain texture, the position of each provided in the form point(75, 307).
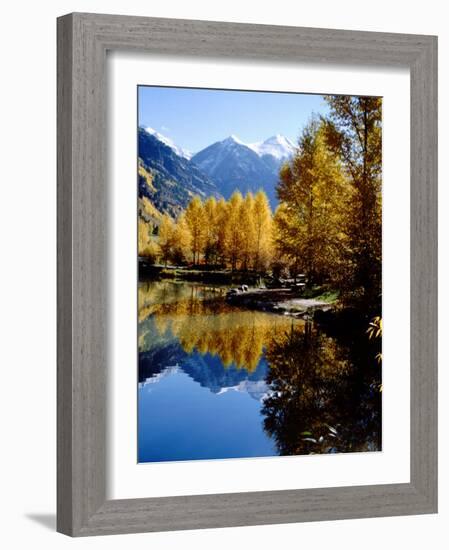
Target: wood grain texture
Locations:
point(83, 40)
point(423, 275)
point(64, 277)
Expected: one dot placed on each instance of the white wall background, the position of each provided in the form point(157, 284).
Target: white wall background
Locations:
point(27, 252)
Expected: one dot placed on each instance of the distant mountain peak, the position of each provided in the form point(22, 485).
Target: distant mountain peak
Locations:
point(232, 165)
point(277, 146)
point(233, 139)
point(169, 142)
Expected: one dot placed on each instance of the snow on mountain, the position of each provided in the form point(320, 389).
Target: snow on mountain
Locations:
point(211, 158)
point(167, 141)
point(277, 146)
point(233, 139)
point(220, 169)
point(232, 165)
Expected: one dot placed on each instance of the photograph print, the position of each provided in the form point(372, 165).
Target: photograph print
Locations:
point(259, 274)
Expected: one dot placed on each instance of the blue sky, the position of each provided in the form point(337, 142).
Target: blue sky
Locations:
point(195, 118)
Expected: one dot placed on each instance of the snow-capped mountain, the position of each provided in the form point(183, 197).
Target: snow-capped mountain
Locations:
point(219, 169)
point(277, 146)
point(233, 164)
point(167, 141)
point(212, 158)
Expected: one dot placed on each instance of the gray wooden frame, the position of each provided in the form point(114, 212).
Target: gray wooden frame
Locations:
point(83, 40)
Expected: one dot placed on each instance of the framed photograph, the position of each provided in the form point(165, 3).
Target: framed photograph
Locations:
point(247, 282)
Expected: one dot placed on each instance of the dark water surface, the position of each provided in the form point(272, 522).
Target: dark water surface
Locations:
point(216, 381)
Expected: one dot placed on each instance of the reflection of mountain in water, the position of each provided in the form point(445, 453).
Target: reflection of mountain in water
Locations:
point(258, 389)
point(157, 377)
point(207, 370)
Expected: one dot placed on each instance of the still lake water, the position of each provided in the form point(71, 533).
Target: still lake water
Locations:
point(217, 381)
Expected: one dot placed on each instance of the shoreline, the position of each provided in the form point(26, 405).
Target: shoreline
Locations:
point(282, 301)
point(206, 275)
point(243, 290)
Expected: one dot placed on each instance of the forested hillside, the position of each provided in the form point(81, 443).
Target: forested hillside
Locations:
point(167, 179)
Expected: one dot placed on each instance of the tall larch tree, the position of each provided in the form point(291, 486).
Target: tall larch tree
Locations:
point(247, 230)
point(196, 222)
point(182, 240)
point(233, 231)
point(311, 224)
point(143, 237)
point(221, 222)
point(146, 245)
point(286, 239)
point(354, 132)
point(262, 218)
point(166, 238)
point(211, 230)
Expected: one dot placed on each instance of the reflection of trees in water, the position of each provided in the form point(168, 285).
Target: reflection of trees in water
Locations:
point(321, 400)
point(152, 294)
point(202, 323)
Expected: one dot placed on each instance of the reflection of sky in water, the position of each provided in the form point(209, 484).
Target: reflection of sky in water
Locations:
point(181, 420)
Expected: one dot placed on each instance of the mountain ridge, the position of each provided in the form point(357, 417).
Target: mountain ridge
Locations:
point(167, 179)
point(233, 164)
point(169, 142)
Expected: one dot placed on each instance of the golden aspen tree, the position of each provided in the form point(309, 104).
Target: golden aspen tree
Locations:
point(312, 222)
point(286, 235)
point(166, 237)
point(247, 230)
point(221, 217)
point(211, 230)
point(196, 222)
point(143, 236)
point(182, 240)
point(353, 130)
point(262, 221)
point(233, 232)
point(145, 245)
